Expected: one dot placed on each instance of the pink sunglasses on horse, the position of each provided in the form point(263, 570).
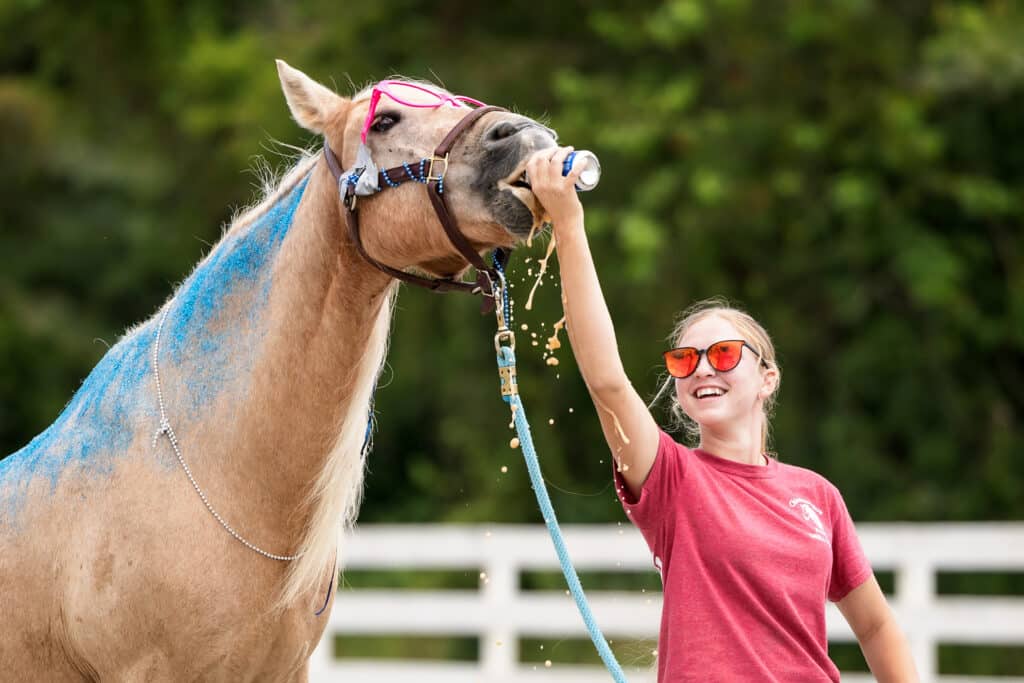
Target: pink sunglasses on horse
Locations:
point(412, 95)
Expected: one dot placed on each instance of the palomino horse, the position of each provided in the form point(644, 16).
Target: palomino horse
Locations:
point(180, 520)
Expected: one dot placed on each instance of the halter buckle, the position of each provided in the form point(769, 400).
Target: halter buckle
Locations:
point(430, 171)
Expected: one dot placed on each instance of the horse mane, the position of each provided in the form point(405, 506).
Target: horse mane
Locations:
point(273, 186)
point(337, 493)
point(334, 498)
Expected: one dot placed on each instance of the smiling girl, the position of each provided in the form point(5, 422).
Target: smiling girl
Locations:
point(749, 549)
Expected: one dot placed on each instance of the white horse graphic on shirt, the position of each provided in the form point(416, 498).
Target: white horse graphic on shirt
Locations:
point(810, 512)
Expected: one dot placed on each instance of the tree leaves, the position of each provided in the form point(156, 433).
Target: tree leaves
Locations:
point(850, 172)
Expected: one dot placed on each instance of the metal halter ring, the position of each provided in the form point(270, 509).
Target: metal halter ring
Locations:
point(430, 170)
point(505, 335)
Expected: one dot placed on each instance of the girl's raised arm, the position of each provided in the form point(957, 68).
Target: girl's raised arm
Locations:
point(628, 427)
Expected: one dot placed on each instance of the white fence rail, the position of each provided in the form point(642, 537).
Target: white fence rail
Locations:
point(498, 613)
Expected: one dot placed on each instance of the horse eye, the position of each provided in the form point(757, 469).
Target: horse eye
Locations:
point(383, 122)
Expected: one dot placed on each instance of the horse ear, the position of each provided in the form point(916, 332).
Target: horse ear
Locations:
point(312, 105)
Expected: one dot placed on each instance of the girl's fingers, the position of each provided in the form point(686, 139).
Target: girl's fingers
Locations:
point(546, 165)
point(559, 157)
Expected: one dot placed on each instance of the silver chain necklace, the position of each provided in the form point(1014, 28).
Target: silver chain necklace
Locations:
point(166, 429)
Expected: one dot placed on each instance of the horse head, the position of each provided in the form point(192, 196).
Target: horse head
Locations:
point(482, 174)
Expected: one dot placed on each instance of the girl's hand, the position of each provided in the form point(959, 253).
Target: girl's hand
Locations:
point(555, 192)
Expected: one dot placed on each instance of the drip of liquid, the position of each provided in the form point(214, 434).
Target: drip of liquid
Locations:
point(615, 420)
point(543, 269)
point(536, 226)
point(553, 342)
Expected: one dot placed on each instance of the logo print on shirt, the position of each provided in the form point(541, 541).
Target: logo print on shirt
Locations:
point(810, 512)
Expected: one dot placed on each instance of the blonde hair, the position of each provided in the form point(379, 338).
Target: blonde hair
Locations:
point(753, 333)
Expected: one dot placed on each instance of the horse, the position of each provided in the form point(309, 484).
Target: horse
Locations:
point(182, 518)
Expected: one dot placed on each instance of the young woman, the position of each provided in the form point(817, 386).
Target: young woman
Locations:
point(749, 549)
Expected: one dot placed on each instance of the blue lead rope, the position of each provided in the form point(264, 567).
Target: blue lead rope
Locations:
point(510, 394)
point(507, 359)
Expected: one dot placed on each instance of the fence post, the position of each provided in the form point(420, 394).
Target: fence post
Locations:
point(499, 643)
point(322, 658)
point(915, 590)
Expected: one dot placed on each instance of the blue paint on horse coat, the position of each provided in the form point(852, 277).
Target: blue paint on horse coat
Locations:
point(117, 401)
point(101, 419)
point(238, 271)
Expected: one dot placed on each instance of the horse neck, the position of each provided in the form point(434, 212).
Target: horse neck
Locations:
point(286, 328)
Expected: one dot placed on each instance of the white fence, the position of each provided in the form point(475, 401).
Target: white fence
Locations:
point(498, 613)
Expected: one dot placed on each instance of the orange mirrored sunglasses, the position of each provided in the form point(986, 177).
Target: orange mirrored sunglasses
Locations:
point(723, 356)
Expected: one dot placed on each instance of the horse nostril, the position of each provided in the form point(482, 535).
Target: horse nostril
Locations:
point(505, 129)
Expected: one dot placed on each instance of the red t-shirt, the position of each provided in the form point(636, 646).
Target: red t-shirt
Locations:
point(748, 555)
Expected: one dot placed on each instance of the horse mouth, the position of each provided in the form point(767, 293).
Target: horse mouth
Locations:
point(518, 186)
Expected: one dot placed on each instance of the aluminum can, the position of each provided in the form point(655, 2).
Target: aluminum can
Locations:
point(591, 169)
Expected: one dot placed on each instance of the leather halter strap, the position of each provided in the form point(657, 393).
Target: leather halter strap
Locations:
point(400, 174)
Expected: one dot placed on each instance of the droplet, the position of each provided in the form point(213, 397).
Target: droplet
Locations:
point(514, 443)
point(547, 663)
point(570, 410)
point(552, 361)
point(551, 421)
point(504, 469)
point(524, 327)
point(483, 575)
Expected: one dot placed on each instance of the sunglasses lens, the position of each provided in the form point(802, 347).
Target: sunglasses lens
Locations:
point(725, 355)
point(681, 362)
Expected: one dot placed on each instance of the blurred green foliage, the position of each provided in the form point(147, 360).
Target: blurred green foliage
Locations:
point(850, 171)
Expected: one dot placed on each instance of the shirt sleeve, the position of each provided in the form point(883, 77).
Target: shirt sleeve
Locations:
point(850, 566)
point(652, 508)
